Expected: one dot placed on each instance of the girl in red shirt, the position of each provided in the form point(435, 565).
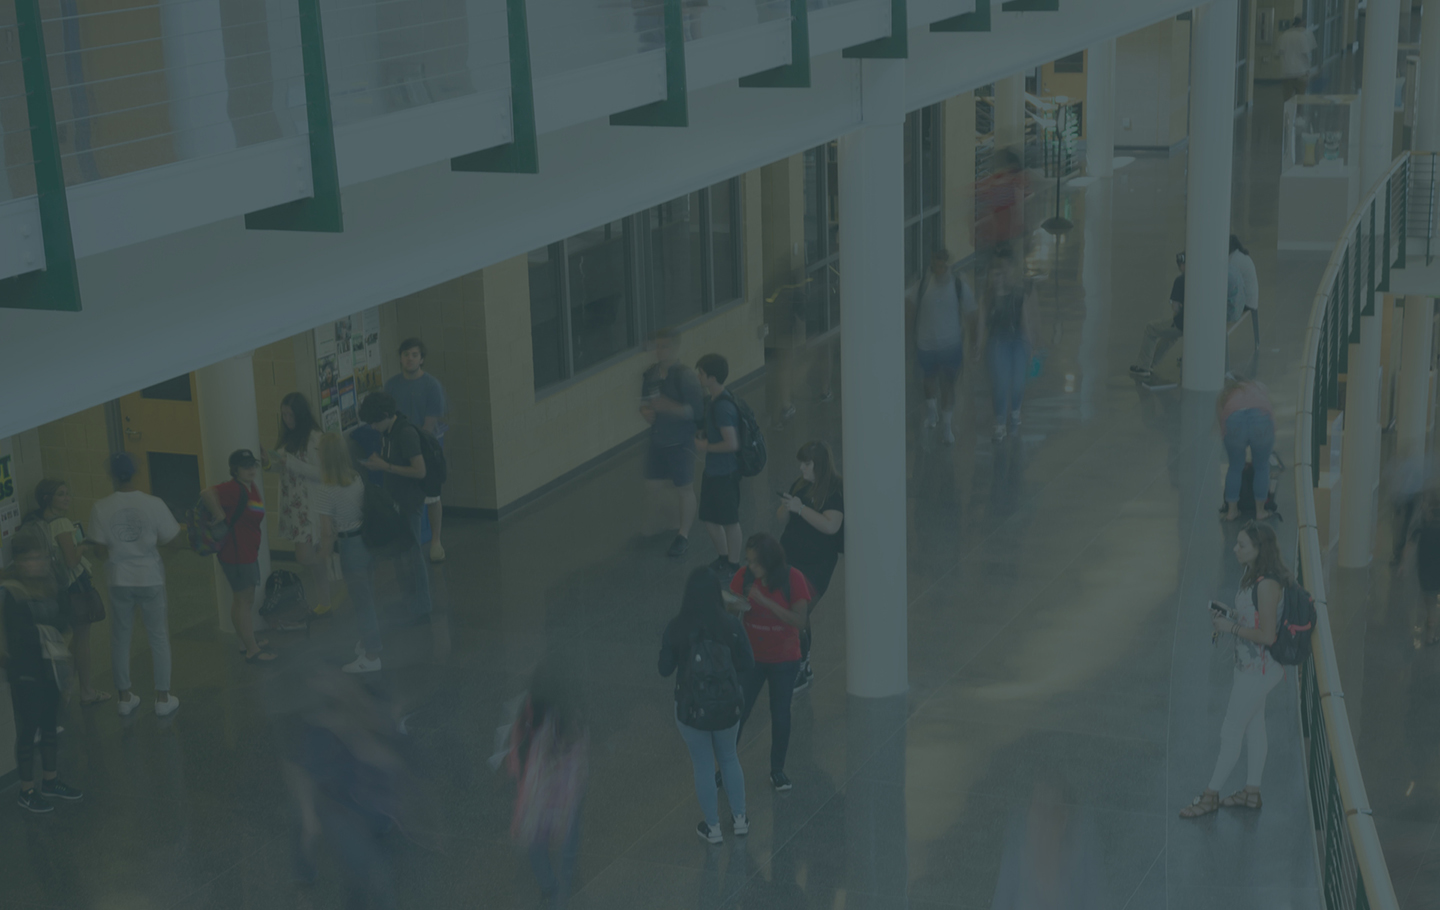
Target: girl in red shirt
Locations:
point(776, 599)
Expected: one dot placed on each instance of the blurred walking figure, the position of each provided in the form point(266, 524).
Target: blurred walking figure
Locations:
point(1408, 479)
point(1296, 47)
point(297, 458)
point(1052, 859)
point(1254, 622)
point(671, 402)
point(1161, 335)
point(1247, 421)
point(708, 651)
point(549, 758)
point(1426, 536)
point(943, 302)
point(339, 502)
point(1007, 325)
point(1001, 197)
point(814, 535)
point(347, 774)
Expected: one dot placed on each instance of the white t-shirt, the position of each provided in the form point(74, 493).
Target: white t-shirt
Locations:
point(132, 524)
point(1296, 44)
point(937, 319)
point(344, 505)
point(1245, 283)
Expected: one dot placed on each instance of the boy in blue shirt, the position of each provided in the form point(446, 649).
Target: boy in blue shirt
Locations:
point(719, 440)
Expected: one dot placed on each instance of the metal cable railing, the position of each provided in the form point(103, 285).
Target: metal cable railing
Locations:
point(1352, 863)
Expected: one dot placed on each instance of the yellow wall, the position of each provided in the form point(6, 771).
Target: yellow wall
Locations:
point(74, 449)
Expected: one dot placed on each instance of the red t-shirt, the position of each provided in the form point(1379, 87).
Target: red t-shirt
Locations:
point(242, 546)
point(773, 640)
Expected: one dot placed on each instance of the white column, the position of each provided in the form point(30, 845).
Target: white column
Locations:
point(872, 384)
point(1415, 359)
point(1100, 109)
point(1207, 203)
point(194, 47)
point(1427, 101)
point(1377, 90)
point(229, 420)
point(1010, 114)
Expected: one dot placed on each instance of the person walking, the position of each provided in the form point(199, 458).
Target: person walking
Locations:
point(813, 539)
point(943, 302)
point(421, 398)
point(297, 458)
point(701, 622)
point(32, 622)
point(1247, 421)
point(776, 599)
point(671, 401)
point(1425, 535)
point(237, 502)
point(719, 440)
point(76, 589)
point(404, 466)
point(1297, 46)
point(1242, 287)
point(339, 503)
point(1007, 323)
point(1254, 622)
point(1161, 335)
point(126, 530)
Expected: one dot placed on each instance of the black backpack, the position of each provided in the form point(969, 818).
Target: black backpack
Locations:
point(1296, 623)
point(436, 470)
point(284, 594)
point(750, 457)
point(708, 695)
point(381, 525)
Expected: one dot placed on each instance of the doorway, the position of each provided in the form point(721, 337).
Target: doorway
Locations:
point(161, 430)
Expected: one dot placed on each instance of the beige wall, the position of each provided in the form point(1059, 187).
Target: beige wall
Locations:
point(959, 179)
point(74, 449)
point(1152, 85)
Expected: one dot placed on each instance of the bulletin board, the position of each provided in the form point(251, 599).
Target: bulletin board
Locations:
point(347, 364)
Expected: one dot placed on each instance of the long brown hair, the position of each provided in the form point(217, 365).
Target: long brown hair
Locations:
point(1269, 563)
point(297, 440)
point(826, 478)
point(45, 492)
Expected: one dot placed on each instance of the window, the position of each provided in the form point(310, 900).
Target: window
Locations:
point(595, 295)
point(822, 239)
point(924, 218)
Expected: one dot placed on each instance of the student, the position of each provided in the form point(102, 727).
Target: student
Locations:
point(1426, 536)
point(420, 397)
point(719, 441)
point(1247, 421)
point(671, 400)
point(1007, 322)
point(127, 528)
point(814, 514)
point(1296, 46)
point(339, 503)
point(702, 617)
point(1243, 287)
point(942, 302)
point(29, 610)
point(1254, 623)
point(297, 458)
point(52, 501)
point(237, 502)
point(777, 598)
point(404, 468)
point(1161, 335)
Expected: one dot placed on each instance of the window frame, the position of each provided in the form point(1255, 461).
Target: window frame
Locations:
point(824, 267)
point(914, 183)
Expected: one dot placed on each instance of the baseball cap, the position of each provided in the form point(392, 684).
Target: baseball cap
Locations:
point(122, 466)
point(243, 458)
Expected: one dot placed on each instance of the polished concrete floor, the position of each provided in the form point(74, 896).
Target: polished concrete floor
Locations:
point(1058, 637)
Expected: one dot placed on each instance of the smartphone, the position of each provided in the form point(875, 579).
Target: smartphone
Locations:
point(1218, 608)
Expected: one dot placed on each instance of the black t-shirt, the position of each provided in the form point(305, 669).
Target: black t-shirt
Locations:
point(1177, 297)
point(400, 445)
point(809, 550)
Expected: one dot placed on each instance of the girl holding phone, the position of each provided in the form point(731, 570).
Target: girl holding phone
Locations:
point(814, 515)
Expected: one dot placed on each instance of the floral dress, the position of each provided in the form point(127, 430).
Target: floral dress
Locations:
point(298, 521)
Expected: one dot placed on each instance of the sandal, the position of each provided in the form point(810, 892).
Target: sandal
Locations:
point(261, 642)
point(95, 699)
point(1204, 804)
point(263, 656)
point(1242, 799)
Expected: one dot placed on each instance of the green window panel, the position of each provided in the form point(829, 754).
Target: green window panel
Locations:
point(522, 154)
point(796, 73)
point(1030, 6)
point(57, 285)
point(675, 109)
point(895, 47)
point(320, 211)
point(978, 21)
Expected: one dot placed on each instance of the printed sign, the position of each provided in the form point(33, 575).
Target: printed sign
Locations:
point(347, 364)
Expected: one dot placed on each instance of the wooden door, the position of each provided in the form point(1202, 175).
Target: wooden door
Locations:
point(161, 425)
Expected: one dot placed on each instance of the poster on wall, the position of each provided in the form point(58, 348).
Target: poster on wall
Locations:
point(347, 361)
point(9, 502)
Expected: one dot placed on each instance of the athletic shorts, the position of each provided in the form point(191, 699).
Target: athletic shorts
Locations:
point(673, 463)
point(241, 575)
point(720, 499)
point(946, 360)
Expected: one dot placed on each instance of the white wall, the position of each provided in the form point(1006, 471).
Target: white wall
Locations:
point(1152, 85)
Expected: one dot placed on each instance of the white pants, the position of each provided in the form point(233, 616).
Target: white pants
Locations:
point(1245, 720)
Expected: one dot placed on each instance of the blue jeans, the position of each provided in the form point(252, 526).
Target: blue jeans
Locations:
point(1009, 362)
point(355, 567)
point(705, 746)
point(781, 678)
point(555, 882)
point(412, 563)
point(1255, 429)
point(150, 601)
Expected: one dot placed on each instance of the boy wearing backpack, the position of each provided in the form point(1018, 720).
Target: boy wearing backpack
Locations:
point(402, 460)
point(719, 440)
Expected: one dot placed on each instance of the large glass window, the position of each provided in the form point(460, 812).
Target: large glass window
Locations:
point(924, 161)
point(822, 239)
point(594, 296)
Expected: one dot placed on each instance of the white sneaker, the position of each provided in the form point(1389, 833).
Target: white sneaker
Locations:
point(167, 707)
point(362, 664)
point(127, 708)
point(742, 825)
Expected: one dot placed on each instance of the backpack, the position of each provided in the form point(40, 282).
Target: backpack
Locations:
point(207, 536)
point(750, 457)
point(436, 470)
point(708, 695)
point(381, 524)
point(284, 594)
point(1296, 623)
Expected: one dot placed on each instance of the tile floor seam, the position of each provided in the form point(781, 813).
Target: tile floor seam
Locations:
point(1141, 883)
